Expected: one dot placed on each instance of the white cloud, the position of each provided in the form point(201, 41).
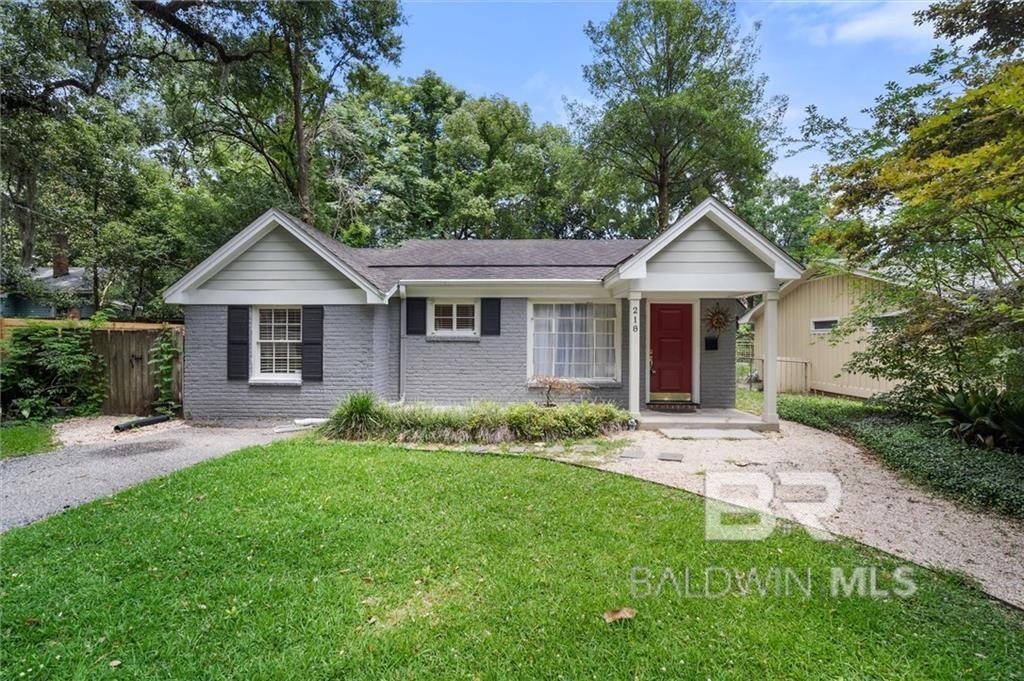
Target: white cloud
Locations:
point(823, 24)
point(888, 21)
point(547, 102)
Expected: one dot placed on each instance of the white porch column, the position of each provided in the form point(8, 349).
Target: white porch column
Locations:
point(634, 352)
point(769, 412)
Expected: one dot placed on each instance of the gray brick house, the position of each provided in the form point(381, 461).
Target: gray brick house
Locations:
point(283, 321)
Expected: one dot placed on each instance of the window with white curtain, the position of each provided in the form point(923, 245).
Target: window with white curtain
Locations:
point(575, 340)
point(277, 341)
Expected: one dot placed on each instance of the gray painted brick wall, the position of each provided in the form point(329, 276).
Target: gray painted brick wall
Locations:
point(349, 359)
point(361, 353)
point(718, 367)
point(487, 368)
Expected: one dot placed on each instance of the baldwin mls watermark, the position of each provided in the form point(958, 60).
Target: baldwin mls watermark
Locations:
point(865, 581)
point(746, 505)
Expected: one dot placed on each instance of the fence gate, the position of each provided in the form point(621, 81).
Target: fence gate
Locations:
point(132, 385)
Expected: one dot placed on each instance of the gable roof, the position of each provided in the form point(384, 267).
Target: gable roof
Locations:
point(378, 271)
point(339, 256)
point(783, 265)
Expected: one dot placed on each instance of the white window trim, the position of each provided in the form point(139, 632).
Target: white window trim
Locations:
point(617, 380)
point(475, 302)
point(257, 377)
point(823, 332)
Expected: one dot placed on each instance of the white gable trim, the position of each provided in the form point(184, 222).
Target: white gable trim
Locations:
point(184, 291)
point(784, 267)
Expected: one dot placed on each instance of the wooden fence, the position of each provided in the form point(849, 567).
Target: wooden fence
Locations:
point(126, 349)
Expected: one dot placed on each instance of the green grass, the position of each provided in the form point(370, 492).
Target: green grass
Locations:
point(304, 560)
point(987, 478)
point(26, 438)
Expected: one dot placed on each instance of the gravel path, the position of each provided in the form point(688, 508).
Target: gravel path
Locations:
point(95, 463)
point(877, 507)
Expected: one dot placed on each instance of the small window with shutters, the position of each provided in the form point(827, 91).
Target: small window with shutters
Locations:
point(453, 317)
point(276, 344)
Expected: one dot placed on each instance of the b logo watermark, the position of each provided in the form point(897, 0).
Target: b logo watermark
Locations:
point(745, 505)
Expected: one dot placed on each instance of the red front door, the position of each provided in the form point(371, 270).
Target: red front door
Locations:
point(671, 352)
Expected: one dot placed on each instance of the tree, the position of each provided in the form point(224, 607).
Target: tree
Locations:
point(930, 195)
point(789, 213)
point(276, 67)
point(681, 108)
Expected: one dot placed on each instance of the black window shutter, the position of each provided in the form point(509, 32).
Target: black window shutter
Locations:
point(313, 343)
point(415, 316)
point(238, 342)
point(490, 316)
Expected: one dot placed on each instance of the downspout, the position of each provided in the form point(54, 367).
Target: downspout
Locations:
point(401, 346)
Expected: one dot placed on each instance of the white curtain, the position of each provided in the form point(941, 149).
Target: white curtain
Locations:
point(574, 340)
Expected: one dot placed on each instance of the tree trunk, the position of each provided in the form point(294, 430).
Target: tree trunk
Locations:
point(26, 196)
point(663, 207)
point(294, 49)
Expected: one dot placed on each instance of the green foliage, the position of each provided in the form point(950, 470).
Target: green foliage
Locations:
point(47, 367)
point(788, 212)
point(988, 417)
point(361, 416)
point(915, 447)
point(25, 438)
point(680, 107)
point(163, 356)
point(929, 197)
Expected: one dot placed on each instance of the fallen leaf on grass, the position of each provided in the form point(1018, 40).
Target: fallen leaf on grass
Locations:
point(619, 614)
point(115, 663)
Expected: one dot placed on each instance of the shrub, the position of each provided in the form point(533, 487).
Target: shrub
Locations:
point(985, 417)
point(361, 416)
point(917, 448)
point(47, 367)
point(562, 386)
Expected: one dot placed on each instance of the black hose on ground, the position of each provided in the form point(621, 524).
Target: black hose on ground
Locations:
point(139, 423)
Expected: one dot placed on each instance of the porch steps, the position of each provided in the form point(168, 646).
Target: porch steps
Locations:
point(672, 407)
point(704, 419)
point(711, 434)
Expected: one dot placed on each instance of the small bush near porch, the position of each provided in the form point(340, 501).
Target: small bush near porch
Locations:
point(362, 417)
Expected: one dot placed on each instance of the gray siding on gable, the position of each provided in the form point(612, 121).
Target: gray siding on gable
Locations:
point(718, 367)
point(278, 262)
point(706, 249)
point(349, 359)
point(488, 368)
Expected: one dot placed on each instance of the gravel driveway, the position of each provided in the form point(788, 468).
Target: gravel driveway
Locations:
point(877, 506)
point(96, 465)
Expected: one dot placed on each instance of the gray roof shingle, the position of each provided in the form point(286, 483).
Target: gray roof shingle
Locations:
point(455, 259)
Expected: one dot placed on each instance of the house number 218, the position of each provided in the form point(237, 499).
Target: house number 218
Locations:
point(636, 317)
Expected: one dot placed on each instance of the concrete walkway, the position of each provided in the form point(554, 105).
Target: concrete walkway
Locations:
point(40, 485)
point(877, 507)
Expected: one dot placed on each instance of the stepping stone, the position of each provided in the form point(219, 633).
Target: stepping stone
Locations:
point(585, 449)
point(670, 456)
point(632, 453)
point(517, 450)
point(557, 449)
point(710, 434)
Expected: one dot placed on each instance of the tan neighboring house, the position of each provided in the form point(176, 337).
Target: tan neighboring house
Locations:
point(809, 308)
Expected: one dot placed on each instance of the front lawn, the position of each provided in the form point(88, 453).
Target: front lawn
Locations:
point(989, 478)
point(26, 438)
point(308, 561)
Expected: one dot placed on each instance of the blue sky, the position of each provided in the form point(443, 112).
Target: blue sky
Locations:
point(837, 55)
